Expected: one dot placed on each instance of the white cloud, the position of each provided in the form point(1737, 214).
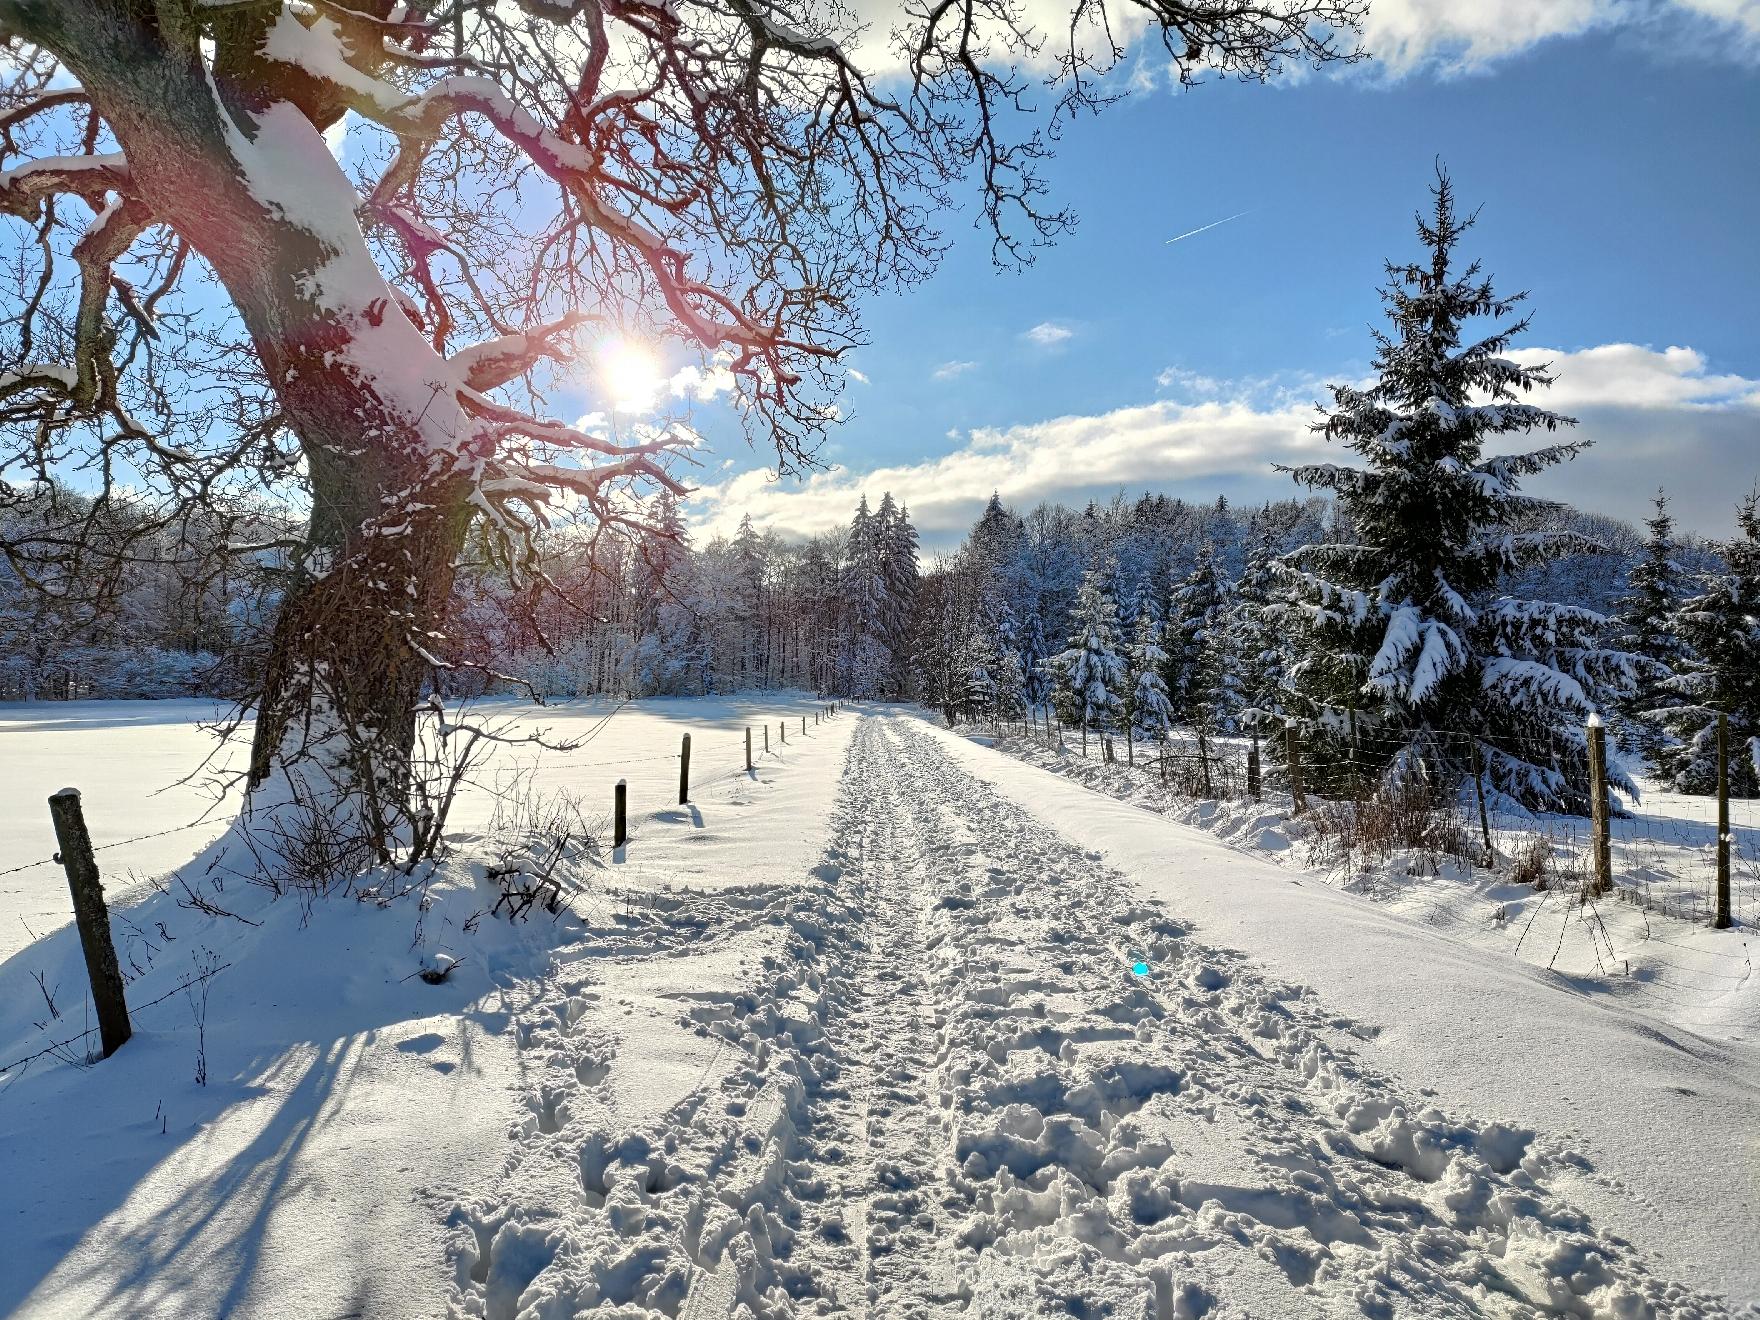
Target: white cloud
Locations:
point(1461, 36)
point(693, 382)
point(1658, 417)
point(948, 370)
point(858, 376)
point(1633, 376)
point(1157, 444)
point(1048, 334)
point(1743, 15)
point(1404, 35)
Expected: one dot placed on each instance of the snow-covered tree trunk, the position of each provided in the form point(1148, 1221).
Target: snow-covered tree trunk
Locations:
point(376, 410)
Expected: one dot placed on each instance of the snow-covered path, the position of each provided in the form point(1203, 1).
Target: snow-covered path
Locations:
point(929, 1082)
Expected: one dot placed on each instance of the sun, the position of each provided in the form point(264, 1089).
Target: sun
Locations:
point(630, 375)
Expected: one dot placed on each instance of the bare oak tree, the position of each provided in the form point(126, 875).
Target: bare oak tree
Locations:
point(202, 297)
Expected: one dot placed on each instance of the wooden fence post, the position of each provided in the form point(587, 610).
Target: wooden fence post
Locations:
point(766, 740)
point(684, 771)
point(1721, 920)
point(1598, 807)
point(92, 914)
point(803, 726)
point(1253, 786)
point(748, 749)
point(620, 814)
point(782, 730)
point(1292, 742)
point(1479, 788)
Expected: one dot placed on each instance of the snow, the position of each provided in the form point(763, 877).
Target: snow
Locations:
point(352, 1105)
point(899, 1025)
point(1655, 1073)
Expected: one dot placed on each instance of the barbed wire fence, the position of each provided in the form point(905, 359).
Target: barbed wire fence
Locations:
point(1662, 846)
point(740, 753)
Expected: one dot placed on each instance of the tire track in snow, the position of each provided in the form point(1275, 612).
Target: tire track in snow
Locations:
point(942, 1091)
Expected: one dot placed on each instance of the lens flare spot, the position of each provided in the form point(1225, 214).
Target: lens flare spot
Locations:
point(630, 375)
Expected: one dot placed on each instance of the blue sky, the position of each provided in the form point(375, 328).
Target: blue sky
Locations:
point(1618, 171)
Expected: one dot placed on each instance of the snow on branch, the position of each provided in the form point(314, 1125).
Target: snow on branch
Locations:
point(495, 362)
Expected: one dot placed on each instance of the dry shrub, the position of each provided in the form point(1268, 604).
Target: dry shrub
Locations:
point(1530, 862)
point(538, 839)
point(1407, 816)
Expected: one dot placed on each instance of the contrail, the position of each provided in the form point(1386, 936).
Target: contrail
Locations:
point(1201, 228)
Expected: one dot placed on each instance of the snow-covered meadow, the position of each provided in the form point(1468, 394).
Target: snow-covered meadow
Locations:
point(863, 1032)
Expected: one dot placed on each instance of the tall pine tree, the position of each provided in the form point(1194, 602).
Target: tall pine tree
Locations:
point(900, 576)
point(1091, 672)
point(1262, 652)
point(1721, 625)
point(1415, 644)
point(1146, 703)
point(867, 657)
point(1647, 629)
point(1199, 672)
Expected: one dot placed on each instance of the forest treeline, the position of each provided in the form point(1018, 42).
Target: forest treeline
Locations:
point(1174, 590)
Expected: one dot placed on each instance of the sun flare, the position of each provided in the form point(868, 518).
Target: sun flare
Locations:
point(630, 376)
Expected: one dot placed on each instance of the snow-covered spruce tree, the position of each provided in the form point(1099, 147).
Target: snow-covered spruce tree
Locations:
point(1410, 645)
point(744, 643)
point(1009, 681)
point(1148, 710)
point(1260, 645)
point(978, 696)
point(1721, 628)
point(1035, 652)
point(1646, 622)
point(900, 576)
point(1091, 671)
point(371, 339)
point(1011, 686)
point(867, 661)
point(1199, 668)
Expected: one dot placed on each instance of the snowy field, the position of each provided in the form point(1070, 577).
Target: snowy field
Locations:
point(896, 1025)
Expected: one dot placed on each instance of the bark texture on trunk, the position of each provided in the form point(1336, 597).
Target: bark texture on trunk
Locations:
point(255, 191)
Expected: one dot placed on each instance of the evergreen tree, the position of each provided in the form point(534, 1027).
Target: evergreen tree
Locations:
point(1721, 626)
point(867, 657)
point(1147, 706)
point(1214, 702)
point(1410, 635)
point(995, 545)
point(669, 650)
point(1262, 653)
point(1646, 629)
point(1091, 673)
point(899, 576)
point(1008, 675)
point(1197, 663)
point(981, 663)
point(1035, 656)
point(748, 587)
